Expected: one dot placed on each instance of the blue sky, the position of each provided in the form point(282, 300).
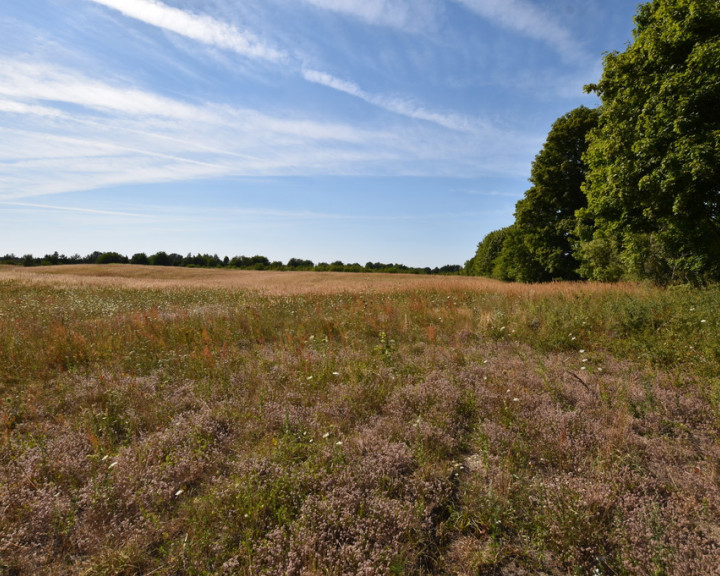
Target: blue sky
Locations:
point(354, 130)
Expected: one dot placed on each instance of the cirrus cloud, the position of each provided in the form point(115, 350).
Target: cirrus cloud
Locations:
point(525, 18)
point(195, 26)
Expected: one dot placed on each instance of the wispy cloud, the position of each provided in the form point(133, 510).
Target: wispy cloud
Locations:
point(494, 193)
point(198, 27)
point(524, 17)
point(23, 81)
point(14, 107)
point(73, 209)
point(395, 13)
point(392, 104)
point(61, 131)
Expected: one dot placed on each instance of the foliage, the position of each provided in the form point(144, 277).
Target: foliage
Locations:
point(539, 246)
point(545, 217)
point(214, 261)
point(484, 261)
point(653, 185)
point(111, 258)
point(140, 258)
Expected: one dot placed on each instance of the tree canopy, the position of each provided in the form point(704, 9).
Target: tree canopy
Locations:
point(539, 246)
point(545, 217)
point(632, 189)
point(653, 183)
point(484, 261)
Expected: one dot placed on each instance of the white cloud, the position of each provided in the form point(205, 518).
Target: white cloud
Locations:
point(523, 17)
point(394, 105)
point(14, 107)
point(494, 193)
point(40, 82)
point(195, 26)
point(72, 209)
point(395, 13)
point(61, 131)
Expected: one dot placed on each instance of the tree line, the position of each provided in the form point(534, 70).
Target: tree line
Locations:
point(214, 261)
point(630, 190)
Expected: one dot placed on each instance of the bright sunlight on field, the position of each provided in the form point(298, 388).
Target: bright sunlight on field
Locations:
point(163, 421)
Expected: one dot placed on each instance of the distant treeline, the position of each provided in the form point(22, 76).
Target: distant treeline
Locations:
point(214, 261)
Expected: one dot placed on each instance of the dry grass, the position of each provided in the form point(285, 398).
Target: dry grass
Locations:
point(272, 282)
point(165, 421)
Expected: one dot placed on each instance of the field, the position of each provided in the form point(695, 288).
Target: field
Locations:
point(179, 421)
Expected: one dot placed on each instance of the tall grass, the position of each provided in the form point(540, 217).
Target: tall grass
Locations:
point(440, 428)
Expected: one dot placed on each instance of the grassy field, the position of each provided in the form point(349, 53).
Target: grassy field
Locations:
point(177, 421)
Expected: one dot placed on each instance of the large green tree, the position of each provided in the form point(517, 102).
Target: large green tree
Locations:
point(540, 245)
point(653, 183)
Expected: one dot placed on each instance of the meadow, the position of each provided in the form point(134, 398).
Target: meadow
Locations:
point(185, 421)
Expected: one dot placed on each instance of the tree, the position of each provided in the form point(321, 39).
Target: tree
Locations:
point(540, 245)
point(111, 258)
point(160, 258)
point(488, 250)
point(653, 184)
point(299, 263)
point(516, 261)
point(140, 258)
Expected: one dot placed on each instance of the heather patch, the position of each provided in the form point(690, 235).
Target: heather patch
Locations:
point(428, 431)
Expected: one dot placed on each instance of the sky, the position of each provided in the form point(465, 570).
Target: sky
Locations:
point(354, 130)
